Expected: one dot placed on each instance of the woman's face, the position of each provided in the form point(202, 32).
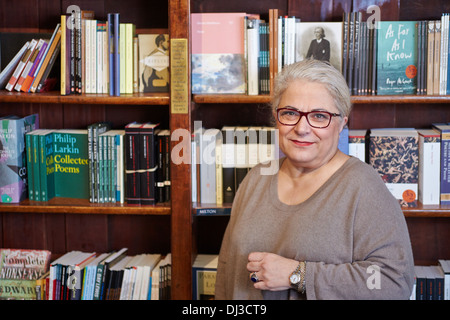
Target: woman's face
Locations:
point(303, 145)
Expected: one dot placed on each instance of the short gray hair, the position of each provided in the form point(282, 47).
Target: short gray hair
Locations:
point(314, 71)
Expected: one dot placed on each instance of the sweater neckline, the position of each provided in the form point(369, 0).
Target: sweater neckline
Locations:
point(273, 193)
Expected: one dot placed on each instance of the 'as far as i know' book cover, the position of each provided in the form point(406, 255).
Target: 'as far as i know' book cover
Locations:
point(218, 62)
point(397, 57)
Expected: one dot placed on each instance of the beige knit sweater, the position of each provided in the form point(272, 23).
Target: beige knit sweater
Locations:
point(351, 224)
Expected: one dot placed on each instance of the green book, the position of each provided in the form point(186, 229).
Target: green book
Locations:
point(46, 165)
point(397, 57)
point(71, 159)
point(36, 169)
point(29, 147)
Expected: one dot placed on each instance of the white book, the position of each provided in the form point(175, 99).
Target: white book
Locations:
point(29, 64)
point(252, 29)
point(100, 46)
point(357, 144)
point(6, 74)
point(445, 265)
point(208, 165)
point(21, 65)
point(429, 166)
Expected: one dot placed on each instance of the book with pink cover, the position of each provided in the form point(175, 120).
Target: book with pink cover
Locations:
point(218, 60)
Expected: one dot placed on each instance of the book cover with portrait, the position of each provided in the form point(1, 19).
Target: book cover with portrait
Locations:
point(397, 57)
point(153, 62)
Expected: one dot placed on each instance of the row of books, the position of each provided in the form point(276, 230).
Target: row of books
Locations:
point(129, 165)
point(147, 163)
point(78, 275)
point(222, 157)
point(385, 58)
point(29, 69)
point(97, 56)
point(432, 282)
point(110, 57)
point(409, 161)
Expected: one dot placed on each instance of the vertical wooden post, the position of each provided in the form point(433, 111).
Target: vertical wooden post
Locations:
point(180, 173)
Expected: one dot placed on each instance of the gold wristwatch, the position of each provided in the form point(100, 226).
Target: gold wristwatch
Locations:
point(297, 278)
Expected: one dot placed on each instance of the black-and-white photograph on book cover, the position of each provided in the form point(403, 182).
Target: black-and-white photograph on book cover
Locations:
point(320, 41)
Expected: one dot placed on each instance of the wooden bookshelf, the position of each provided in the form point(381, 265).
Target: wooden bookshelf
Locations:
point(83, 206)
point(54, 97)
point(429, 226)
point(61, 225)
point(406, 99)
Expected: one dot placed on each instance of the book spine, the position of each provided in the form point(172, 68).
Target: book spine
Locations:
point(111, 31)
point(228, 164)
point(129, 35)
point(122, 57)
point(30, 175)
point(208, 168)
point(241, 155)
point(43, 167)
point(147, 165)
point(54, 40)
point(36, 167)
point(43, 78)
point(160, 170)
point(31, 74)
point(20, 67)
point(132, 165)
point(167, 180)
point(116, 55)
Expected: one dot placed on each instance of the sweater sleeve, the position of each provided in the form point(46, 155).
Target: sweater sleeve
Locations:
point(382, 266)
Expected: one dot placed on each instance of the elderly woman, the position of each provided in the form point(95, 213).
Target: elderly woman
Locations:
point(324, 226)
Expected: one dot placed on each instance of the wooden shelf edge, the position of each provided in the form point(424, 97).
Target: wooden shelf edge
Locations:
point(399, 99)
point(55, 97)
point(421, 211)
point(82, 206)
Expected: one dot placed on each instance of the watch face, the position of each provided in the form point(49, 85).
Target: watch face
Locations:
point(295, 278)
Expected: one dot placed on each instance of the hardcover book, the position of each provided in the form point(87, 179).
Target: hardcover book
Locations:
point(19, 270)
point(153, 62)
point(13, 157)
point(357, 144)
point(327, 48)
point(394, 154)
point(397, 57)
point(218, 61)
point(204, 271)
point(444, 131)
point(71, 158)
point(147, 163)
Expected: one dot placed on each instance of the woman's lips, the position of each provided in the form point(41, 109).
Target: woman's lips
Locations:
point(302, 143)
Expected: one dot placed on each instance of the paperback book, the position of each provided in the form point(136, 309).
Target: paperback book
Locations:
point(13, 157)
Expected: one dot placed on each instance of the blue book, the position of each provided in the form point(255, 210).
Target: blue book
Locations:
point(116, 56)
point(13, 156)
point(444, 130)
point(397, 58)
point(110, 23)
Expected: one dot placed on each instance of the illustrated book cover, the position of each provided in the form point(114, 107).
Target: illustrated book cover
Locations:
point(393, 152)
point(218, 56)
point(397, 58)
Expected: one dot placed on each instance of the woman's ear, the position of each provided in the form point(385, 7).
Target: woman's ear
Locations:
point(343, 123)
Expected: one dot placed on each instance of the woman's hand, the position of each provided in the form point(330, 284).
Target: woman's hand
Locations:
point(273, 271)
